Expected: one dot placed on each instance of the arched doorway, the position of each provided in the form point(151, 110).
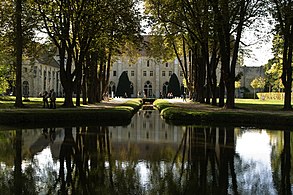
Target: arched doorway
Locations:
point(165, 89)
point(148, 91)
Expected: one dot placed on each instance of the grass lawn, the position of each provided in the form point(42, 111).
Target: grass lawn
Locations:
point(248, 112)
point(260, 105)
point(7, 102)
point(34, 113)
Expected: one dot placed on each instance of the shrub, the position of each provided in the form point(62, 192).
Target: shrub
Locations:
point(271, 96)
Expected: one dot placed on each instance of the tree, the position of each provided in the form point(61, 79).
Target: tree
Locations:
point(258, 83)
point(187, 25)
point(254, 85)
point(275, 65)
point(174, 86)
point(212, 30)
point(11, 41)
point(237, 86)
point(69, 25)
point(283, 13)
point(231, 18)
point(84, 29)
point(261, 82)
point(19, 51)
point(123, 87)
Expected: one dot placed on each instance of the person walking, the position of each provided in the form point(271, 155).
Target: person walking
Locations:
point(45, 96)
point(52, 99)
point(184, 97)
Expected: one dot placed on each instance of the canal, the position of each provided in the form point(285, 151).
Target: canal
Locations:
point(148, 156)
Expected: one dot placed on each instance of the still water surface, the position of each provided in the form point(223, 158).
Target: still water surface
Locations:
point(148, 156)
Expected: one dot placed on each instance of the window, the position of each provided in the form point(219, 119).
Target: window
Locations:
point(132, 73)
point(163, 73)
point(148, 63)
point(114, 73)
point(35, 71)
point(151, 73)
point(25, 69)
point(170, 73)
point(167, 64)
point(144, 73)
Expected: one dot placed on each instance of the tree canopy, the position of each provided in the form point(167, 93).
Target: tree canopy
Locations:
point(123, 88)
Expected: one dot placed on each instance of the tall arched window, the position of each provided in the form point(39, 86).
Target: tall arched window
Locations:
point(165, 89)
point(148, 91)
point(25, 89)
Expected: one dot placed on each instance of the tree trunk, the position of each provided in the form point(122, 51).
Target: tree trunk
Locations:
point(65, 76)
point(18, 184)
point(221, 92)
point(214, 64)
point(287, 67)
point(93, 80)
point(84, 85)
point(18, 48)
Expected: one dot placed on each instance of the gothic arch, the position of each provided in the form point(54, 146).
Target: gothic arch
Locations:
point(148, 89)
point(165, 89)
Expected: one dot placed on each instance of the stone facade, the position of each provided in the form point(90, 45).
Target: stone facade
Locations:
point(249, 74)
point(41, 75)
point(148, 77)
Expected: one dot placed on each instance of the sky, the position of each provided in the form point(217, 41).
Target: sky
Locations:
point(259, 40)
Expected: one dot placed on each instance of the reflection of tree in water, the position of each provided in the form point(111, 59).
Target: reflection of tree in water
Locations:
point(89, 166)
point(282, 165)
point(202, 164)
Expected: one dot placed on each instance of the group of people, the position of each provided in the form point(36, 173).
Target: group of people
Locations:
point(49, 95)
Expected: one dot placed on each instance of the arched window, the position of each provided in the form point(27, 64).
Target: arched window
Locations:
point(25, 89)
point(165, 89)
point(148, 91)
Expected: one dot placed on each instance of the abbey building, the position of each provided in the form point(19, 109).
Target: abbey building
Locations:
point(149, 77)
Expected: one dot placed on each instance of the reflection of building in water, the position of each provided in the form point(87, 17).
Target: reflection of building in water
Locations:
point(147, 137)
point(147, 126)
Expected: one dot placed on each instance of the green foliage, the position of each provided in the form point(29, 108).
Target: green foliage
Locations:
point(245, 115)
point(258, 83)
point(275, 65)
point(123, 88)
point(174, 86)
point(161, 104)
point(237, 84)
